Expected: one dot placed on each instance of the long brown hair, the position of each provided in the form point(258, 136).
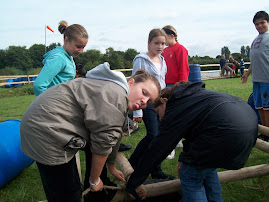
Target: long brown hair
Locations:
point(72, 32)
point(143, 76)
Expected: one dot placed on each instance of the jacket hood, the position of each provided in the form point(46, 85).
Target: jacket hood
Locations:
point(142, 55)
point(56, 50)
point(103, 72)
point(145, 56)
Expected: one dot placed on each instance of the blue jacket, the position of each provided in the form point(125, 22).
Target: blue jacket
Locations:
point(58, 67)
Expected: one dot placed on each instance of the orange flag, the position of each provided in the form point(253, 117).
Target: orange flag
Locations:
point(48, 27)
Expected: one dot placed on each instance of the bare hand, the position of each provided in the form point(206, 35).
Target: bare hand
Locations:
point(244, 78)
point(141, 193)
point(116, 173)
point(138, 119)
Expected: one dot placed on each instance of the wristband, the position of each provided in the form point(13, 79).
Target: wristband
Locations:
point(92, 184)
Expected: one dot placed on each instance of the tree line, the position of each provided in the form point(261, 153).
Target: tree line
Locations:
point(16, 60)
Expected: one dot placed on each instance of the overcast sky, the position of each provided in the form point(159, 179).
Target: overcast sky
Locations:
point(203, 26)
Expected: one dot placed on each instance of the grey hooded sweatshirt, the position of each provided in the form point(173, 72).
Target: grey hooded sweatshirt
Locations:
point(60, 120)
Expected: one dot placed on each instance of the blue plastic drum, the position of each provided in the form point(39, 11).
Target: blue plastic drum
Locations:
point(12, 160)
point(9, 85)
point(195, 73)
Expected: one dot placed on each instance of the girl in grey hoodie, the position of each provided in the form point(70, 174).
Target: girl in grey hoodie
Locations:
point(154, 63)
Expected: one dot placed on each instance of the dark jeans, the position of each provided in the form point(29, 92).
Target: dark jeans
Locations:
point(61, 183)
point(152, 123)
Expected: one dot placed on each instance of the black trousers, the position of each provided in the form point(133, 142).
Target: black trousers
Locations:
point(61, 183)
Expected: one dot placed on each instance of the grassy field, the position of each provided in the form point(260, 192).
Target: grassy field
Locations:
point(27, 186)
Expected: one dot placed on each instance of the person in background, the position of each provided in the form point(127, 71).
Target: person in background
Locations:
point(59, 65)
point(224, 67)
point(154, 63)
point(63, 118)
point(176, 58)
point(241, 66)
point(80, 71)
point(219, 129)
point(259, 59)
point(231, 64)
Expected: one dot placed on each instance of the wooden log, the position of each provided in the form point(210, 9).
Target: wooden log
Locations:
point(243, 173)
point(263, 130)
point(124, 165)
point(173, 186)
point(262, 145)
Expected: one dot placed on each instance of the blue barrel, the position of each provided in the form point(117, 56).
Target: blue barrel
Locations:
point(12, 160)
point(9, 85)
point(33, 78)
point(195, 73)
point(251, 103)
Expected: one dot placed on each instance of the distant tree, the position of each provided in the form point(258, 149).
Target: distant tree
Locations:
point(18, 57)
point(93, 56)
point(247, 51)
point(2, 59)
point(225, 51)
point(52, 46)
point(130, 54)
point(36, 53)
point(243, 51)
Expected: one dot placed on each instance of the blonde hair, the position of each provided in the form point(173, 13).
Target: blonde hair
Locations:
point(169, 29)
point(72, 32)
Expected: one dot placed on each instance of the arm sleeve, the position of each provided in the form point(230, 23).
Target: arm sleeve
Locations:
point(52, 67)
point(183, 66)
point(104, 117)
point(137, 64)
point(167, 140)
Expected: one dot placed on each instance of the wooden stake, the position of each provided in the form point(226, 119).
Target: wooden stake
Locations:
point(263, 130)
point(262, 145)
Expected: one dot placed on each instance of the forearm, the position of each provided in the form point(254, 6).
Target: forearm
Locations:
point(98, 162)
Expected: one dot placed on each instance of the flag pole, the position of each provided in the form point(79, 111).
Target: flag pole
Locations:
point(45, 40)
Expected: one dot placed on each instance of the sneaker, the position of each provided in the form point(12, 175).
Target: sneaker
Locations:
point(124, 147)
point(162, 175)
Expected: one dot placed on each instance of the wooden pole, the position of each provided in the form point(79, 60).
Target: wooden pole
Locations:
point(262, 145)
point(28, 78)
point(124, 165)
point(263, 130)
point(243, 173)
point(173, 186)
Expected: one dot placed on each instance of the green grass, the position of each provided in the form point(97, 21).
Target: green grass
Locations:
point(27, 186)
